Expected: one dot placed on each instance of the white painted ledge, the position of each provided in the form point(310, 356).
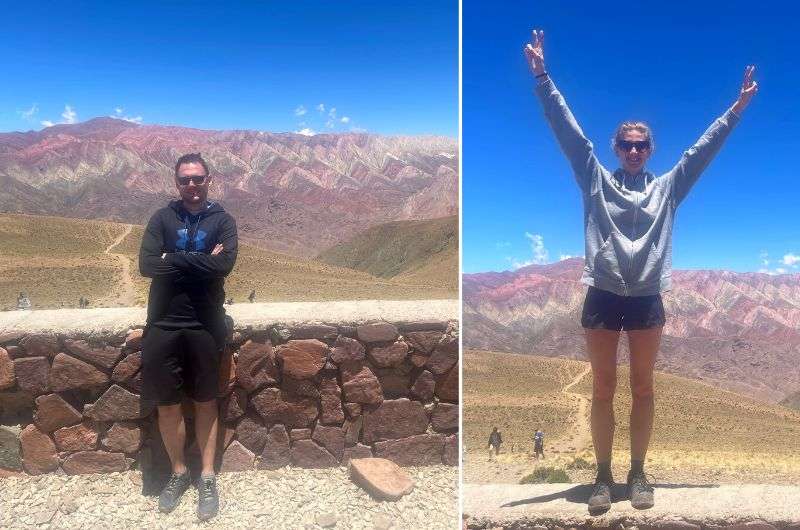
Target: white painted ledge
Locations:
point(258, 316)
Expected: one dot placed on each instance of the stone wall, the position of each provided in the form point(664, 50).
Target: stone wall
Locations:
point(306, 394)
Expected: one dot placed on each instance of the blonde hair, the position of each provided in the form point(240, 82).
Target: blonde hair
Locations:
point(626, 126)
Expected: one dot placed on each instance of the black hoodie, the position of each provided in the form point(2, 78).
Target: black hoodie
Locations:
point(188, 282)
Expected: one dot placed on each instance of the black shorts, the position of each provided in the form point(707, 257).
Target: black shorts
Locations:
point(606, 310)
point(179, 362)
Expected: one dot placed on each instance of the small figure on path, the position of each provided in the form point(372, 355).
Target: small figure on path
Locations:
point(252, 296)
point(494, 442)
point(23, 302)
point(538, 444)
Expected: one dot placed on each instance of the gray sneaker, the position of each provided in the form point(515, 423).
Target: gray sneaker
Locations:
point(207, 498)
point(171, 494)
point(600, 499)
point(640, 492)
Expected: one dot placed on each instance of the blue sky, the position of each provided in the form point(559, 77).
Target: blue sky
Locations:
point(383, 67)
point(676, 65)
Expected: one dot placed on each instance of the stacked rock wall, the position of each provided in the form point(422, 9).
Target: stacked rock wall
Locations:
point(311, 395)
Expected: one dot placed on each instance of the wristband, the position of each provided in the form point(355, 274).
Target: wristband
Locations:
point(540, 75)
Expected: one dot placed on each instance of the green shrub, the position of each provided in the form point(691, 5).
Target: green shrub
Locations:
point(546, 475)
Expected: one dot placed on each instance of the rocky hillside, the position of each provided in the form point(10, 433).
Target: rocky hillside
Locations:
point(737, 330)
point(290, 193)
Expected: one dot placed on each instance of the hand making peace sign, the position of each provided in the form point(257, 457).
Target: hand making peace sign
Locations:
point(534, 52)
point(748, 90)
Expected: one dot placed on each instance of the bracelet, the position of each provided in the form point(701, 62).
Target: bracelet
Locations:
point(540, 75)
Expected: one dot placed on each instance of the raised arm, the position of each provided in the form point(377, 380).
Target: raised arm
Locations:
point(696, 158)
point(151, 264)
point(218, 264)
point(577, 148)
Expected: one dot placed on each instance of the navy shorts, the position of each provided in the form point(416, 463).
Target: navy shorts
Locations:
point(178, 362)
point(606, 310)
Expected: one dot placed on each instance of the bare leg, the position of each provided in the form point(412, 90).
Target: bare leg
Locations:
point(602, 347)
point(644, 347)
point(205, 427)
point(173, 432)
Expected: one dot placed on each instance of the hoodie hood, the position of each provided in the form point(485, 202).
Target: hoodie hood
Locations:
point(211, 208)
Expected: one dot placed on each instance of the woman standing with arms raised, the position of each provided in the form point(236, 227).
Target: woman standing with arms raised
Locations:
point(628, 217)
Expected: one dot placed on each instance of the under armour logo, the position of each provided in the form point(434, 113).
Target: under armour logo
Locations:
point(183, 240)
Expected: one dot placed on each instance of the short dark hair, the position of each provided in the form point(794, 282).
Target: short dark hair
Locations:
point(190, 158)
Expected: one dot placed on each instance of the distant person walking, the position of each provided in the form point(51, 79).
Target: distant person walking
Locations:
point(538, 444)
point(23, 302)
point(628, 217)
point(494, 442)
point(188, 248)
point(252, 296)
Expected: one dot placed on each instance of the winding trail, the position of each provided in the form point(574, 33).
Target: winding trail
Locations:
point(126, 296)
point(579, 435)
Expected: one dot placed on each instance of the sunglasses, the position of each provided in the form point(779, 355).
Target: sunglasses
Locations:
point(640, 146)
point(197, 179)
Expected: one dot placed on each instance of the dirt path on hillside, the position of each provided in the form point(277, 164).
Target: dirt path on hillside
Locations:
point(125, 293)
point(511, 467)
point(579, 437)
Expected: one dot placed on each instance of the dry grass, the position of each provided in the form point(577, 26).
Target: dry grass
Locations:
point(701, 435)
point(517, 394)
point(56, 261)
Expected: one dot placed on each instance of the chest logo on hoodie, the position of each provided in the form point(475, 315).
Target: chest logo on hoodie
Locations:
point(198, 240)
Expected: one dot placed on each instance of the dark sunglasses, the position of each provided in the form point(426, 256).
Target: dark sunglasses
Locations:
point(197, 179)
point(640, 146)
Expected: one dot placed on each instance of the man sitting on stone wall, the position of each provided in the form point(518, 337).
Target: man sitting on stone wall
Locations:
point(188, 248)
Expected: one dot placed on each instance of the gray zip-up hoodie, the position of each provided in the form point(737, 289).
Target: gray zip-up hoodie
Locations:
point(628, 218)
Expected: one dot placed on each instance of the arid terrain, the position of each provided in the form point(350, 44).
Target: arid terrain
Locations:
point(702, 434)
point(738, 331)
point(57, 260)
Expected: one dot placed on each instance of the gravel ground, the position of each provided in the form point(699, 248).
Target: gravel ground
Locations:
point(288, 498)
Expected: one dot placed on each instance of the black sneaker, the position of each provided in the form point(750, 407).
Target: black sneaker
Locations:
point(640, 492)
point(171, 494)
point(207, 498)
point(600, 499)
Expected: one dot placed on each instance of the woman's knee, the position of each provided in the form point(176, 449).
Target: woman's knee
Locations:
point(642, 390)
point(604, 388)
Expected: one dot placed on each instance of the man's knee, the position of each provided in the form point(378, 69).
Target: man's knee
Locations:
point(170, 411)
point(209, 407)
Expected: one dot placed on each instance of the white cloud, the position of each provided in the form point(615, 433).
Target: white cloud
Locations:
point(332, 112)
point(330, 124)
point(764, 257)
point(791, 260)
point(540, 253)
point(345, 119)
point(69, 114)
point(562, 257)
point(28, 115)
point(300, 110)
point(118, 113)
point(321, 107)
point(306, 132)
point(781, 270)
point(357, 129)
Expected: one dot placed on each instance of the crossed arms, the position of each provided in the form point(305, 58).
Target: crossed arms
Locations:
point(155, 262)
